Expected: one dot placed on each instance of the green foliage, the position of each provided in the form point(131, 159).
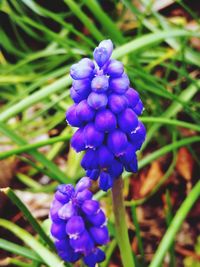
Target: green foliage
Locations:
point(39, 44)
point(191, 261)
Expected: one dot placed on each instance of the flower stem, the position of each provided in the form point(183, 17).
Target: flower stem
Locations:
point(120, 224)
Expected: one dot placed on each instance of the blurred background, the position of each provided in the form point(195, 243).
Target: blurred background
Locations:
point(158, 42)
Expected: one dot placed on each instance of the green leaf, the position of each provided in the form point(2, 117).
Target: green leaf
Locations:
point(48, 257)
point(167, 121)
point(84, 19)
point(27, 148)
point(175, 225)
point(149, 40)
point(19, 250)
point(36, 226)
point(174, 108)
point(38, 96)
point(54, 171)
point(104, 19)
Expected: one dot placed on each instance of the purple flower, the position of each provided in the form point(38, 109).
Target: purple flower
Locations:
point(97, 101)
point(103, 52)
point(78, 224)
point(106, 111)
point(114, 68)
point(100, 83)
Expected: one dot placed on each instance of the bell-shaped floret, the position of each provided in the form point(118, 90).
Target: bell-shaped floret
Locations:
point(84, 112)
point(64, 192)
point(105, 181)
point(139, 108)
point(97, 219)
point(75, 96)
point(138, 136)
point(58, 230)
point(127, 120)
point(83, 243)
point(117, 103)
point(119, 85)
point(132, 97)
point(95, 257)
point(117, 142)
point(90, 207)
point(89, 160)
point(69, 255)
point(55, 206)
point(105, 157)
point(78, 140)
point(129, 154)
point(72, 118)
point(105, 121)
point(103, 52)
point(67, 211)
point(114, 68)
point(83, 183)
point(93, 174)
point(100, 83)
point(100, 235)
point(82, 87)
point(83, 195)
point(97, 101)
point(75, 226)
point(82, 70)
point(116, 169)
point(93, 137)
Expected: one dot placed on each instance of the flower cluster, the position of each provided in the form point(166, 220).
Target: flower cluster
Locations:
point(78, 224)
point(106, 111)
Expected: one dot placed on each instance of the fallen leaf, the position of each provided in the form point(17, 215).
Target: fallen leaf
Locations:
point(37, 203)
point(7, 167)
point(152, 178)
point(184, 163)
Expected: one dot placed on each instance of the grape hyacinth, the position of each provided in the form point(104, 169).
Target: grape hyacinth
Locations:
point(106, 111)
point(78, 224)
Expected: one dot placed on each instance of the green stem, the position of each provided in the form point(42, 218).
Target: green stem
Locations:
point(175, 225)
point(120, 224)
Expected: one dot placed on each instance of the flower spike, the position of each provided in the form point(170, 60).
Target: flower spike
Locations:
point(106, 112)
point(78, 224)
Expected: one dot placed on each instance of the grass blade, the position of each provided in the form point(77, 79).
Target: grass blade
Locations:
point(175, 225)
point(38, 96)
point(48, 257)
point(113, 32)
point(84, 19)
point(36, 226)
point(174, 108)
point(27, 148)
point(167, 121)
point(150, 39)
point(138, 234)
point(52, 168)
point(169, 216)
point(19, 250)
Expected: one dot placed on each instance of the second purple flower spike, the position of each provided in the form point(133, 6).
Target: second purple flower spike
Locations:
point(78, 224)
point(106, 111)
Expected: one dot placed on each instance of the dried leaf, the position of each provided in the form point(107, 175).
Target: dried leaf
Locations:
point(7, 168)
point(38, 203)
point(185, 163)
point(153, 177)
